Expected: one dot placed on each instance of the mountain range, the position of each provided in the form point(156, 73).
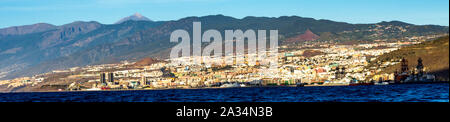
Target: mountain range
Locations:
point(38, 48)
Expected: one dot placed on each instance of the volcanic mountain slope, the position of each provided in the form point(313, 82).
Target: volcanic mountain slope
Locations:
point(23, 51)
point(19, 51)
point(307, 36)
point(135, 17)
point(133, 40)
point(26, 29)
point(435, 56)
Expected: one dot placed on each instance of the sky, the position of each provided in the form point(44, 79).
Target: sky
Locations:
point(59, 12)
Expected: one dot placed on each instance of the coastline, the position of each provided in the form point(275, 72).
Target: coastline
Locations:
point(161, 89)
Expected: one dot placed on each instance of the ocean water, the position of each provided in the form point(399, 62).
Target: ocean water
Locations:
point(388, 93)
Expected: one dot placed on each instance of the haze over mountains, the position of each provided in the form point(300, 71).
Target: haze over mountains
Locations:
point(32, 49)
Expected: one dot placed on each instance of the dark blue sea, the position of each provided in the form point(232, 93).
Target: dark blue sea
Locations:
point(388, 93)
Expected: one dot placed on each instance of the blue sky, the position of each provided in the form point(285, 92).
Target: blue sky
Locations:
point(58, 12)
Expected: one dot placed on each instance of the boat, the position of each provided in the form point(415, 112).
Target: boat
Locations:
point(355, 82)
point(105, 88)
point(381, 83)
point(300, 84)
point(230, 85)
point(94, 89)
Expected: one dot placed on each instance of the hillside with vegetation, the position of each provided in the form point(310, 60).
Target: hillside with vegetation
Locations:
point(435, 56)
